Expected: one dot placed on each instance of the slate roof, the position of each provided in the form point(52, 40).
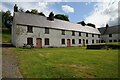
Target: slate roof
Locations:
point(41, 21)
point(110, 30)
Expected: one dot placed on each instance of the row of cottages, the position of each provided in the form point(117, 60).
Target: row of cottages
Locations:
point(39, 31)
point(110, 34)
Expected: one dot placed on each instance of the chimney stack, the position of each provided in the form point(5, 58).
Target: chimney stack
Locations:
point(51, 16)
point(15, 8)
point(106, 28)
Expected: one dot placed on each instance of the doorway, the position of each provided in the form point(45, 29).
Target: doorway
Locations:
point(83, 42)
point(38, 42)
point(68, 43)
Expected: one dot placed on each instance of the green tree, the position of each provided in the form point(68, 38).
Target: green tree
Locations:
point(7, 19)
point(27, 11)
point(34, 11)
point(41, 13)
point(21, 10)
point(82, 23)
point(61, 17)
point(90, 24)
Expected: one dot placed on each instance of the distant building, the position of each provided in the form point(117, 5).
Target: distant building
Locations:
point(110, 34)
point(39, 31)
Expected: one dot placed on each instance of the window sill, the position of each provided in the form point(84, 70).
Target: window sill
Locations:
point(29, 32)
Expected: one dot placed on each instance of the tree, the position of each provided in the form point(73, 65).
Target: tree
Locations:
point(61, 17)
point(90, 24)
point(34, 11)
point(7, 19)
point(21, 10)
point(41, 13)
point(82, 23)
point(27, 11)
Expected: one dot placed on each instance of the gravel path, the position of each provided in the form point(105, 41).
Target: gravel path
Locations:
point(10, 64)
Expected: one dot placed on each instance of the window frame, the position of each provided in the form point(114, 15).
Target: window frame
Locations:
point(73, 33)
point(115, 40)
point(86, 34)
point(46, 41)
point(92, 35)
point(30, 29)
point(63, 32)
point(73, 41)
point(98, 35)
point(93, 41)
point(86, 41)
point(79, 41)
point(29, 41)
point(79, 33)
point(63, 41)
point(47, 30)
point(110, 40)
point(110, 35)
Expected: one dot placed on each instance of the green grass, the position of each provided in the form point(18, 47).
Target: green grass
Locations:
point(114, 43)
point(6, 36)
point(67, 63)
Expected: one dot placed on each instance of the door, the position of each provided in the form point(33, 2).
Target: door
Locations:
point(39, 43)
point(68, 43)
point(83, 42)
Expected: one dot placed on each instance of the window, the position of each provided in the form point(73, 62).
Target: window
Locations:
point(73, 41)
point(115, 40)
point(92, 35)
point(29, 41)
point(110, 40)
point(79, 41)
point(110, 35)
point(63, 32)
point(99, 41)
point(119, 40)
point(79, 33)
point(46, 30)
point(29, 29)
point(63, 41)
point(86, 41)
point(73, 33)
point(98, 36)
point(46, 41)
point(86, 34)
point(93, 41)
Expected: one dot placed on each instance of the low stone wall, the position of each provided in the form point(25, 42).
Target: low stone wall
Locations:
point(103, 46)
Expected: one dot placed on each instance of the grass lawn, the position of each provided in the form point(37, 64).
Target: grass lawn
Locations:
point(67, 63)
point(6, 36)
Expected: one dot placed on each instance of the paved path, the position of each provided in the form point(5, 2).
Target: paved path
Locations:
point(10, 64)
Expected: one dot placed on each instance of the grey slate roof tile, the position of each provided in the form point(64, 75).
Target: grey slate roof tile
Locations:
point(41, 21)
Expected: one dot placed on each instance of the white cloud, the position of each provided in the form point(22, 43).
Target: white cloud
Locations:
point(67, 9)
point(40, 6)
point(103, 13)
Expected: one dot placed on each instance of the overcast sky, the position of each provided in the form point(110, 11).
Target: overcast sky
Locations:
point(99, 13)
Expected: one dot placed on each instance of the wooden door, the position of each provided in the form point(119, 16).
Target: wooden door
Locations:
point(39, 43)
point(83, 42)
point(68, 43)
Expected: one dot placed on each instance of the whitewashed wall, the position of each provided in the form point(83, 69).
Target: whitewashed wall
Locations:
point(54, 36)
point(106, 38)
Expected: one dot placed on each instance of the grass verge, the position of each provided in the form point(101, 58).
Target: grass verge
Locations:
point(74, 62)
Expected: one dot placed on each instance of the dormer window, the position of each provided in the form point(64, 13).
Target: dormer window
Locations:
point(30, 29)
